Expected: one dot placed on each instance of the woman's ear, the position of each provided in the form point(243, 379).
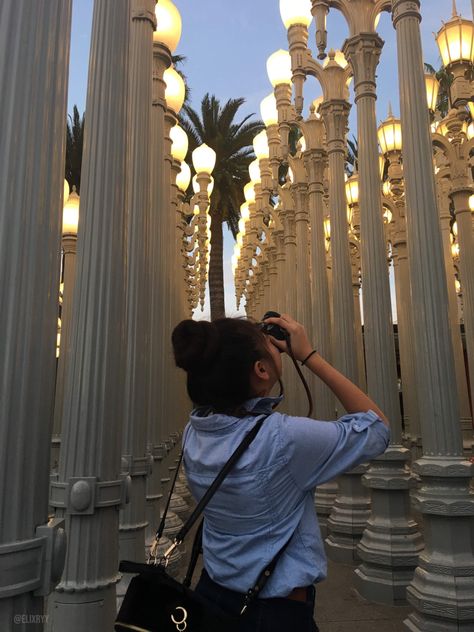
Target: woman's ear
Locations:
point(261, 370)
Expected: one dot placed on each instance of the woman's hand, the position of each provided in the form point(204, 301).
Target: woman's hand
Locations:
point(300, 344)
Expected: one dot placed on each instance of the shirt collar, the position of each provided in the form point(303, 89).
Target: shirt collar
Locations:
point(201, 419)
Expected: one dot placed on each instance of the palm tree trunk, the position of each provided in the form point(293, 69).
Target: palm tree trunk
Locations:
point(216, 272)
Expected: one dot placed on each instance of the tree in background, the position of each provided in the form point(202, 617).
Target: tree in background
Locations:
point(74, 142)
point(445, 80)
point(215, 125)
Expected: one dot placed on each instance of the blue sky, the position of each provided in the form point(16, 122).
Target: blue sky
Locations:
point(227, 43)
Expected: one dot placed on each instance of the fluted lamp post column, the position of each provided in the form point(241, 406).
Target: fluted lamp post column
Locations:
point(34, 53)
point(90, 488)
point(351, 508)
point(315, 159)
point(391, 542)
point(165, 40)
point(441, 590)
point(402, 286)
point(135, 460)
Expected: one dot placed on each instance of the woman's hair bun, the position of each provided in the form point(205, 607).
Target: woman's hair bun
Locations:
point(195, 344)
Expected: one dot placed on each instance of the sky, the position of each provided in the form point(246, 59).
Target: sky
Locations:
point(226, 45)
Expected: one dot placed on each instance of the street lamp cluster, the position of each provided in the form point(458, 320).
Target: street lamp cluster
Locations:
point(135, 261)
point(310, 238)
point(129, 265)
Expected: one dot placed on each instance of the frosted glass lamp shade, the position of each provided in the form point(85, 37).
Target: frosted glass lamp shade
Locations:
point(179, 143)
point(390, 135)
point(268, 110)
point(168, 24)
point(204, 159)
point(66, 191)
point(245, 211)
point(254, 171)
point(260, 145)
point(184, 177)
point(455, 41)
point(175, 90)
point(249, 193)
point(295, 12)
point(279, 68)
point(432, 89)
point(71, 214)
point(352, 190)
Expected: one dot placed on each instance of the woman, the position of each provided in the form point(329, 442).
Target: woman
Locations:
point(268, 498)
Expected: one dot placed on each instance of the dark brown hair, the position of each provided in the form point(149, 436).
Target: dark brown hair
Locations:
point(218, 358)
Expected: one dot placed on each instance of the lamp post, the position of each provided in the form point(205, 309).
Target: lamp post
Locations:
point(351, 508)
point(456, 45)
point(204, 160)
point(34, 72)
point(69, 247)
point(443, 186)
point(135, 461)
point(165, 40)
point(391, 140)
point(440, 591)
point(90, 489)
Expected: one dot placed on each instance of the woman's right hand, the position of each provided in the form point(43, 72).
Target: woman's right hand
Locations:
point(300, 344)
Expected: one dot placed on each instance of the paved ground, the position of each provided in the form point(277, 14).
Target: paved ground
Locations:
point(339, 608)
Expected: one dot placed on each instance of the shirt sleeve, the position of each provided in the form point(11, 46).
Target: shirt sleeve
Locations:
point(318, 451)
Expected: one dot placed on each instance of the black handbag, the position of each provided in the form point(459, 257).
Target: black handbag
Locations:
point(156, 602)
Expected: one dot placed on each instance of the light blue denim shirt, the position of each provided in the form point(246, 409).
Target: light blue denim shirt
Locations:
point(269, 494)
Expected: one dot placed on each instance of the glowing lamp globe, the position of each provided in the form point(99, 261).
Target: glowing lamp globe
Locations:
point(337, 56)
point(390, 135)
point(66, 191)
point(295, 12)
point(184, 177)
point(242, 223)
point(245, 211)
point(387, 215)
point(204, 159)
point(268, 110)
point(471, 203)
point(279, 68)
point(249, 193)
point(179, 143)
point(240, 239)
point(432, 89)
point(71, 214)
point(260, 145)
point(175, 90)
point(168, 24)
point(254, 171)
point(352, 190)
point(386, 188)
point(381, 165)
point(455, 41)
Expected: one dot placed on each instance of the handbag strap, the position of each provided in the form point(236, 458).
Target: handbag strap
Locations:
point(243, 445)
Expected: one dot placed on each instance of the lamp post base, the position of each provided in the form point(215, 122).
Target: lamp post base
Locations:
point(348, 517)
point(442, 589)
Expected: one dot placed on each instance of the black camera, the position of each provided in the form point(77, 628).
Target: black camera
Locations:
point(273, 330)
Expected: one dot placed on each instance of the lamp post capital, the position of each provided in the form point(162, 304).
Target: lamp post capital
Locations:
point(363, 52)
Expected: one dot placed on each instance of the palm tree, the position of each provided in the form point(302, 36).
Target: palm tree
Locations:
point(74, 142)
point(215, 125)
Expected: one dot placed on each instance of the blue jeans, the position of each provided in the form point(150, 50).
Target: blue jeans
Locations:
point(263, 615)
